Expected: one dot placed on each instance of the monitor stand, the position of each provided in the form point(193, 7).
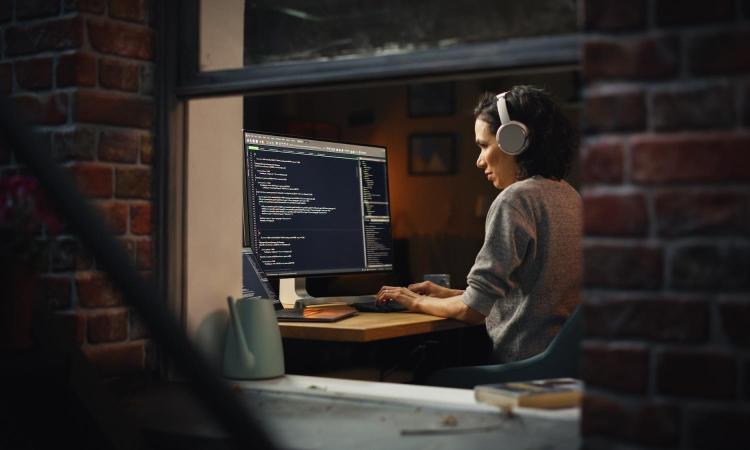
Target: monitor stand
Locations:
point(291, 289)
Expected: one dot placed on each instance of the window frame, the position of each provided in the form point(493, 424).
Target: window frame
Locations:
point(511, 54)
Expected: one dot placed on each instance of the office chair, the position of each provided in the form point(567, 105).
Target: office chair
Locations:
point(560, 359)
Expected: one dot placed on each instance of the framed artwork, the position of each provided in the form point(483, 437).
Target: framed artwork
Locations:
point(432, 154)
point(431, 99)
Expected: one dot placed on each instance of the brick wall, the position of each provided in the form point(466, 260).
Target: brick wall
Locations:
point(82, 72)
point(666, 169)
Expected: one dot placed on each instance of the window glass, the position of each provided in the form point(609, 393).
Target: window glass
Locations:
point(302, 30)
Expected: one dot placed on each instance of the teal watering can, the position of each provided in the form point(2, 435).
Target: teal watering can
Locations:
point(253, 347)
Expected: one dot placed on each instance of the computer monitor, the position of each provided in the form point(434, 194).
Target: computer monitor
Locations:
point(315, 207)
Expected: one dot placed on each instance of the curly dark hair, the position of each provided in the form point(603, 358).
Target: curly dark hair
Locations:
point(552, 139)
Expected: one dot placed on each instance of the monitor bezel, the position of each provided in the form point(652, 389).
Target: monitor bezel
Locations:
point(246, 211)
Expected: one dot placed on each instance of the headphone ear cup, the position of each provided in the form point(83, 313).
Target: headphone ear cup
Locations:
point(512, 138)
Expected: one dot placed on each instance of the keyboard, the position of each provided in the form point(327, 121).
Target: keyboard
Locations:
point(364, 303)
point(392, 306)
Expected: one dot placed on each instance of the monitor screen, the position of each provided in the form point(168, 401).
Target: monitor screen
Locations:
point(316, 207)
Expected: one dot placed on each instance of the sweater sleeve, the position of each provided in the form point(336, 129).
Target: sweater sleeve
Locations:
point(508, 235)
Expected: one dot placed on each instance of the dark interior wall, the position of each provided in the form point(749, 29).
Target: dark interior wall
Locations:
point(437, 219)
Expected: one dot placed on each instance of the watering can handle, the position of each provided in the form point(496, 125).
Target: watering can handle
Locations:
point(240, 333)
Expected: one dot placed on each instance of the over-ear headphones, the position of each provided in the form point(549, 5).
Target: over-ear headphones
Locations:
point(512, 136)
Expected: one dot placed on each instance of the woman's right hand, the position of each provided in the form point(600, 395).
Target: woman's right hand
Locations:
point(431, 289)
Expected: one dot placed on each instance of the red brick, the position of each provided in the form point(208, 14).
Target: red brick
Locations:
point(657, 424)
point(95, 291)
point(133, 182)
point(616, 367)
point(56, 291)
point(603, 162)
point(690, 109)
point(601, 415)
point(147, 149)
point(716, 428)
point(650, 423)
point(119, 146)
point(113, 109)
point(684, 158)
point(6, 78)
point(27, 9)
point(117, 359)
point(69, 325)
point(702, 212)
point(107, 326)
point(76, 69)
point(636, 58)
point(690, 12)
point(34, 74)
point(735, 320)
point(144, 258)
point(615, 214)
point(622, 266)
point(93, 180)
point(78, 144)
point(697, 374)
point(115, 74)
point(140, 219)
point(719, 53)
point(49, 35)
point(614, 15)
point(115, 38)
point(49, 109)
point(720, 267)
point(615, 112)
point(656, 319)
point(116, 216)
point(89, 6)
point(133, 10)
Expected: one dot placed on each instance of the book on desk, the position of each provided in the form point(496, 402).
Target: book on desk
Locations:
point(551, 393)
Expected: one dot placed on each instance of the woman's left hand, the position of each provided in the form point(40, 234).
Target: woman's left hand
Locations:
point(404, 296)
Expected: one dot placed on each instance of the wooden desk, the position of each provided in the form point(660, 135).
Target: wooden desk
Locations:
point(367, 327)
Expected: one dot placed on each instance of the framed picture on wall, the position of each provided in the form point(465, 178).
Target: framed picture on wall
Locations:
point(432, 154)
point(431, 99)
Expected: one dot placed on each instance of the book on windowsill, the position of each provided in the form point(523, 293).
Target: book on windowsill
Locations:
point(552, 393)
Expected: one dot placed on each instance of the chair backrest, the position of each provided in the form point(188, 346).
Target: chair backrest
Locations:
point(564, 352)
point(560, 359)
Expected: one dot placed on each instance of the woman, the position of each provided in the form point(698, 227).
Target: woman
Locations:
point(526, 278)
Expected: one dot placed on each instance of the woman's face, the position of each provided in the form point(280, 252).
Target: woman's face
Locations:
point(499, 168)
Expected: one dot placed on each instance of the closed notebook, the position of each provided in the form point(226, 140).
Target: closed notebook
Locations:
point(328, 313)
point(552, 393)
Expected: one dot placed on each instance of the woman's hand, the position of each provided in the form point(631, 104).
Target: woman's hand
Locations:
point(452, 307)
point(431, 289)
point(409, 299)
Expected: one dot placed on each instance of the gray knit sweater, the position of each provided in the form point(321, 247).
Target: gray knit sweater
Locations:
point(526, 278)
